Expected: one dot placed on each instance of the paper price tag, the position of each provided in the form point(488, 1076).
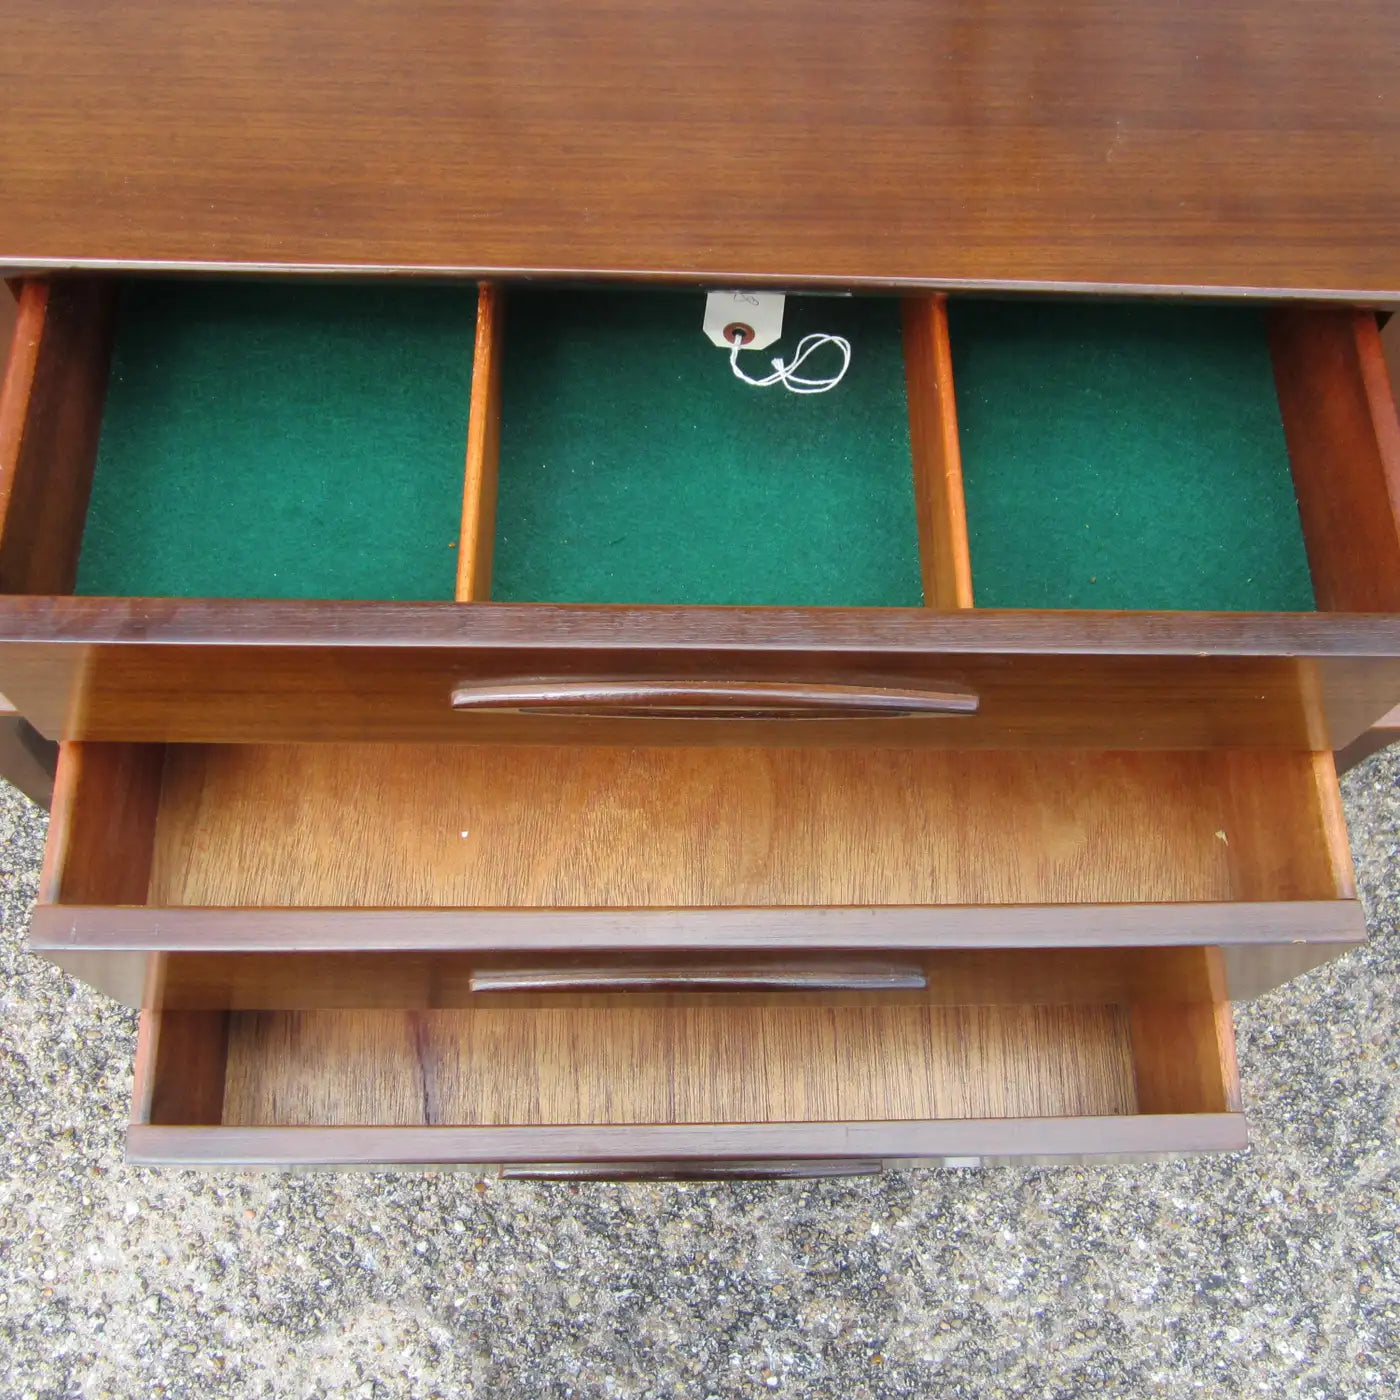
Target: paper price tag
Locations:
point(758, 313)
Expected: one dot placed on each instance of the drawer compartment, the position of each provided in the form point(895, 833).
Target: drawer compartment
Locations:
point(273, 440)
point(247, 440)
point(1125, 456)
point(380, 510)
point(364, 826)
point(265, 441)
point(635, 468)
point(750, 1081)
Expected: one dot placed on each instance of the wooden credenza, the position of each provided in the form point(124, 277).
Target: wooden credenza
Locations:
point(492, 735)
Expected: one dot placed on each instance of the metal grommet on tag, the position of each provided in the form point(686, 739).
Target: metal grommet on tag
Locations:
point(759, 313)
point(746, 320)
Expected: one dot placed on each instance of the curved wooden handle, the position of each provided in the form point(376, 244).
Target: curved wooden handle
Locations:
point(732, 975)
point(698, 1169)
point(711, 699)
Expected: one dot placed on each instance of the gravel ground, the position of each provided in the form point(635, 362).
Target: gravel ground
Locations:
point(1274, 1272)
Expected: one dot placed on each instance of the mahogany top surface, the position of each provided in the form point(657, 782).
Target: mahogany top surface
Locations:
point(1244, 148)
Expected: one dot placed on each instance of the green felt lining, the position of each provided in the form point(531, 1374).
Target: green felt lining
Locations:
point(1124, 456)
point(278, 440)
point(306, 441)
point(635, 468)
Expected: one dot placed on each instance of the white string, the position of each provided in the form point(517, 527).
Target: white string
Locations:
point(787, 375)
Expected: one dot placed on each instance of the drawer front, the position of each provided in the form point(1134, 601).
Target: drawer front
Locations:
point(984, 680)
point(1026, 1142)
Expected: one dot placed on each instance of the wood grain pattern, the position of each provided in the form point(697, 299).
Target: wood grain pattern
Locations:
point(1177, 1059)
point(776, 828)
point(166, 930)
point(102, 831)
point(50, 416)
point(382, 825)
point(1184, 1055)
point(1058, 687)
point(676, 1065)
point(356, 978)
point(1390, 344)
point(1334, 823)
point(9, 314)
point(181, 1066)
point(1225, 1055)
point(944, 556)
point(1254, 798)
point(1344, 444)
point(1251, 146)
point(478, 536)
point(16, 401)
point(602, 630)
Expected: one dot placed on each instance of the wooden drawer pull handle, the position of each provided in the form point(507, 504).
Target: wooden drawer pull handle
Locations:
point(712, 699)
point(817, 975)
point(694, 1170)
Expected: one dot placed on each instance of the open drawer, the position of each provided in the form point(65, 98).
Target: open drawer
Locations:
point(283, 512)
point(501, 953)
point(783, 1088)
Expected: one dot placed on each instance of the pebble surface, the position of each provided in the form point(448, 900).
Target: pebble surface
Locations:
point(1274, 1272)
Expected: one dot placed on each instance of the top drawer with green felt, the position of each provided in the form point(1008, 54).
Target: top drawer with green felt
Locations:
point(315, 441)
